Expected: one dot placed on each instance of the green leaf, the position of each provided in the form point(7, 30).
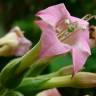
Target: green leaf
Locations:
point(13, 93)
point(60, 61)
point(31, 85)
point(91, 62)
point(8, 76)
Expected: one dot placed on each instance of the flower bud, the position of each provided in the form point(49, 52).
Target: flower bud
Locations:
point(84, 80)
point(14, 43)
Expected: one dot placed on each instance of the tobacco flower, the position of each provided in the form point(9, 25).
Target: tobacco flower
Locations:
point(62, 33)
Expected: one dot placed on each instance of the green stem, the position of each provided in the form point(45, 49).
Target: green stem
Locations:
point(29, 57)
point(37, 67)
point(31, 85)
point(80, 80)
point(67, 70)
point(63, 81)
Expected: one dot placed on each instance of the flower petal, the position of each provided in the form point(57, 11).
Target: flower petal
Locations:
point(24, 45)
point(50, 45)
point(52, 15)
point(81, 23)
point(49, 92)
point(80, 53)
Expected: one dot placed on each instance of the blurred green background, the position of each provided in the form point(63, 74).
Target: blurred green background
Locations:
point(22, 13)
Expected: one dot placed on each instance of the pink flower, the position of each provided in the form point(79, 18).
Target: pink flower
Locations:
point(49, 92)
point(14, 43)
point(64, 33)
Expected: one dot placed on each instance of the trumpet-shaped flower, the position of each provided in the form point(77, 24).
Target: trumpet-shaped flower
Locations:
point(14, 43)
point(62, 33)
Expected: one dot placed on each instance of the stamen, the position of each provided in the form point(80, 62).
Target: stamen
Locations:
point(65, 29)
point(88, 17)
point(65, 37)
point(67, 21)
point(62, 26)
point(61, 34)
point(59, 29)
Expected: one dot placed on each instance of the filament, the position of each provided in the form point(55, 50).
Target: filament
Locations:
point(88, 17)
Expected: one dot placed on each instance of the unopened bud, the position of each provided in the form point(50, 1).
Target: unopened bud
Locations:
point(14, 43)
point(84, 80)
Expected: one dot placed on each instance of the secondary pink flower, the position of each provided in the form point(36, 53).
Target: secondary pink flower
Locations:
point(63, 33)
point(14, 43)
point(49, 92)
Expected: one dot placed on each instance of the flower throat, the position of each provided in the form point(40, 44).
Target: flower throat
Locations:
point(64, 29)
